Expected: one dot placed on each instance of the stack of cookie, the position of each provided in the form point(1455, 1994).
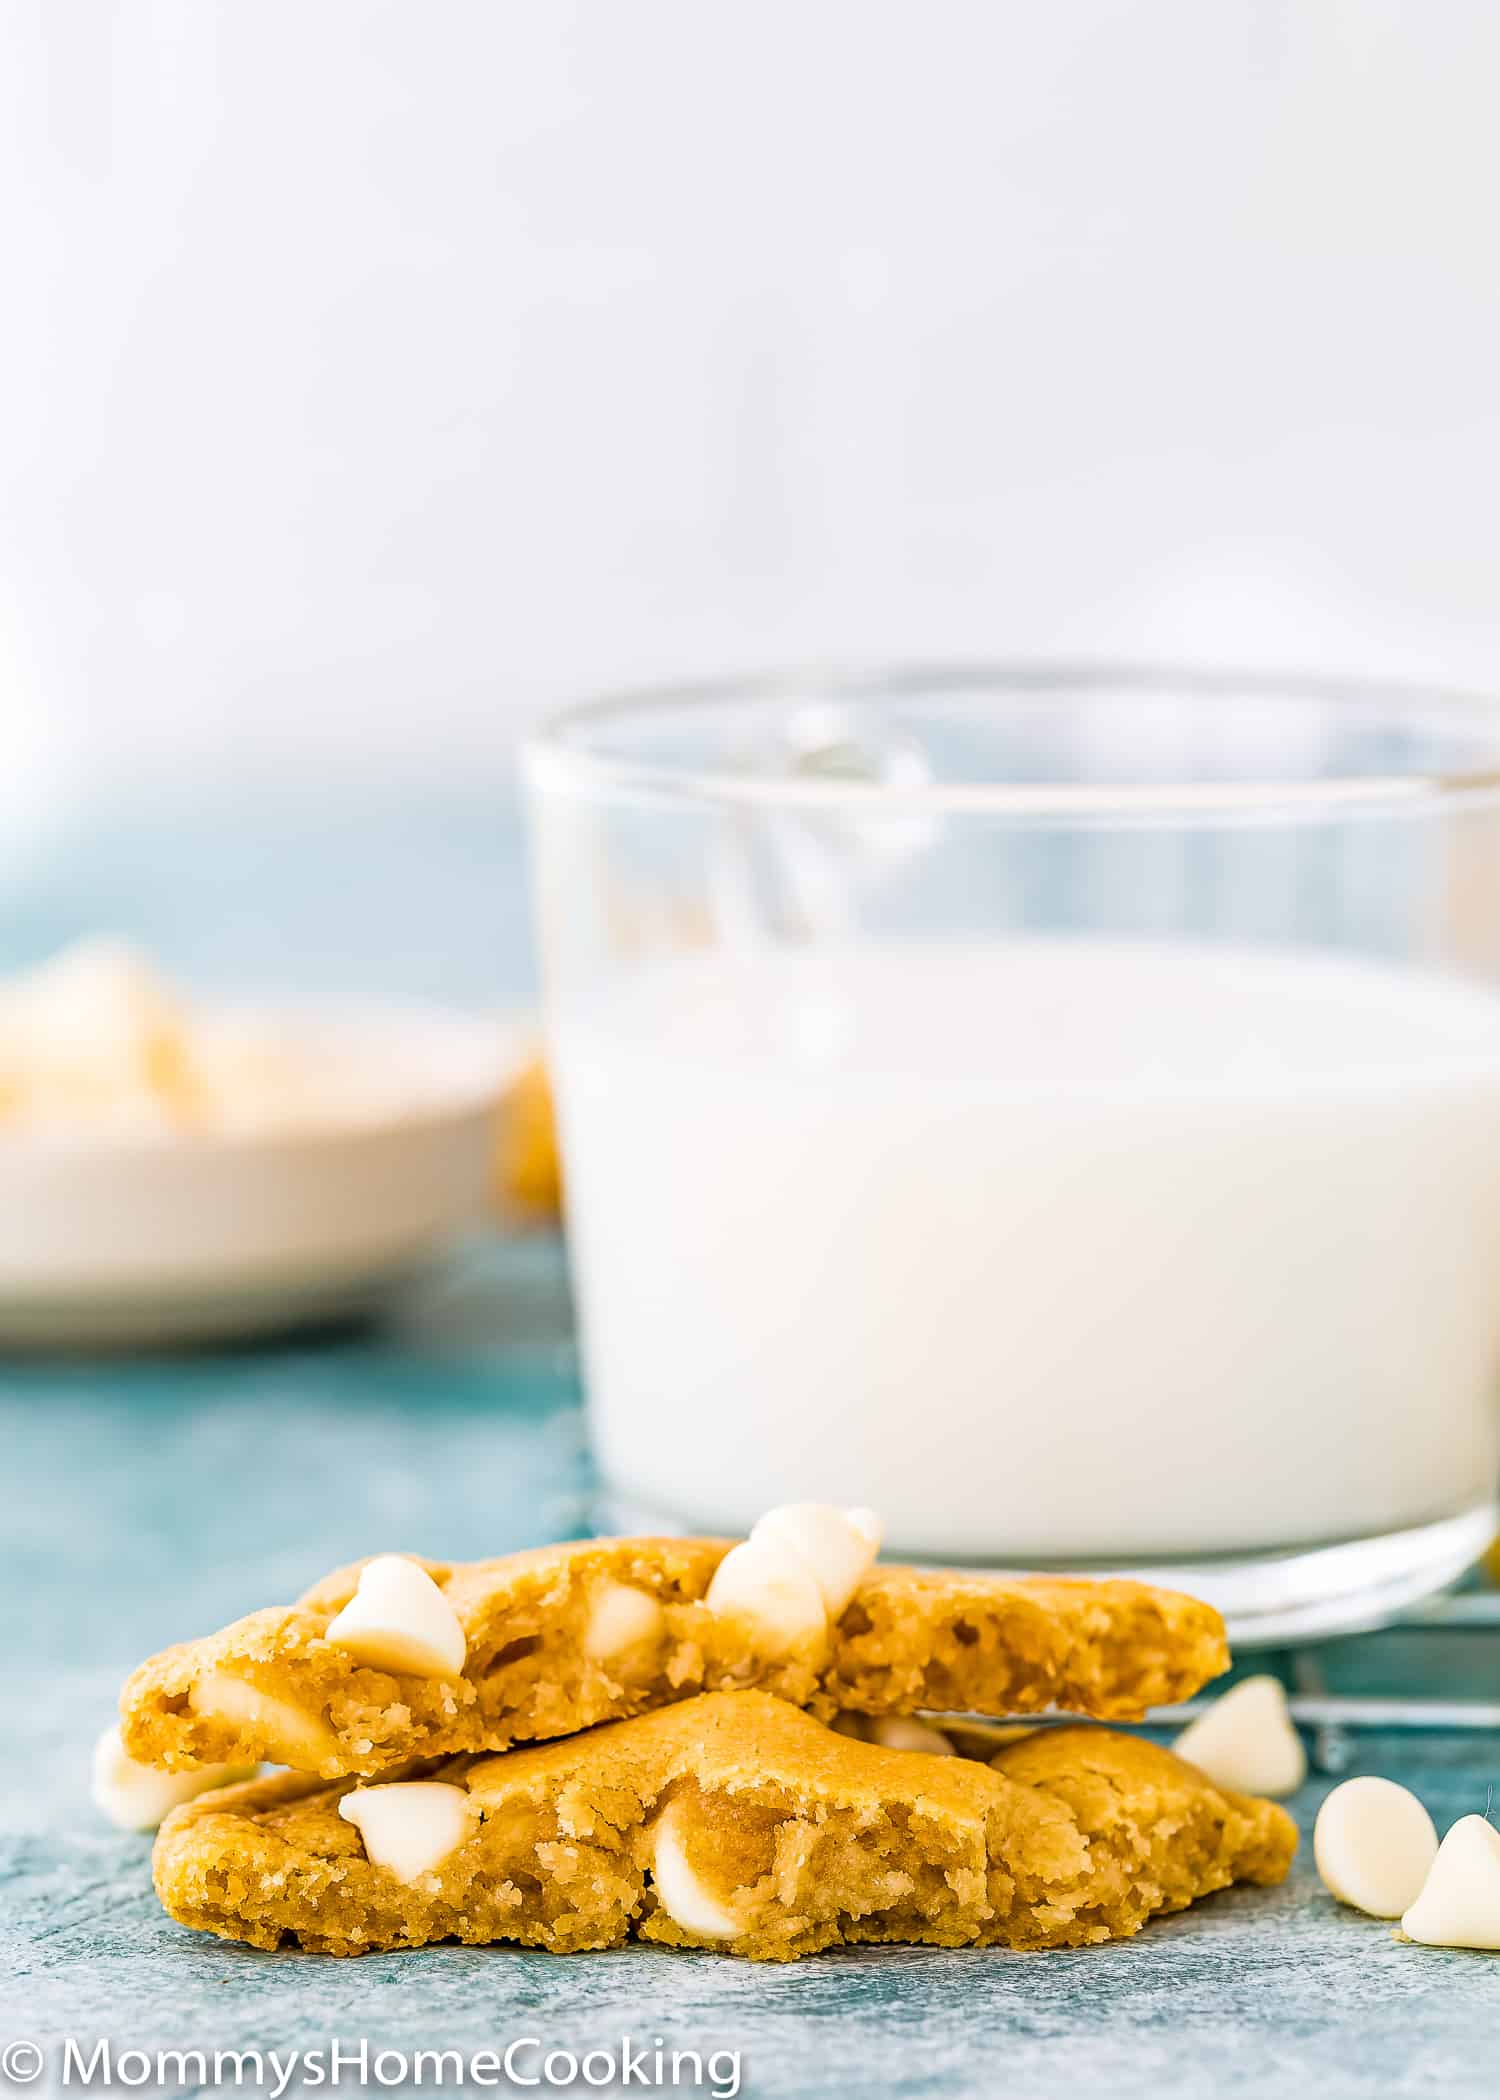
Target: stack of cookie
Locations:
point(694, 1743)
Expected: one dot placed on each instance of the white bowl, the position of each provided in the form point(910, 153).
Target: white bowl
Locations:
point(130, 1239)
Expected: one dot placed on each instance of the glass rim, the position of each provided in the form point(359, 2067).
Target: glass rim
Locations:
point(559, 751)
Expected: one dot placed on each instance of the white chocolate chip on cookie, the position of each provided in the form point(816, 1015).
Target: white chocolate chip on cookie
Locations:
point(775, 1591)
point(621, 1618)
point(411, 1825)
point(286, 1734)
point(679, 1890)
point(137, 1797)
point(1374, 1843)
point(1460, 1901)
point(905, 1732)
point(1246, 1741)
point(837, 1545)
point(866, 1525)
point(398, 1619)
point(796, 1572)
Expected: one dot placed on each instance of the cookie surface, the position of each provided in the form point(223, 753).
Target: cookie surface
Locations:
point(270, 1687)
point(791, 1837)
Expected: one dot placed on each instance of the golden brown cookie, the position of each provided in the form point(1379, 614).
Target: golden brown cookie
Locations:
point(271, 1687)
point(528, 1170)
point(736, 1822)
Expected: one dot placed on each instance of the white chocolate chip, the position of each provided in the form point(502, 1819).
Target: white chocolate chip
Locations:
point(775, 1591)
point(1374, 1843)
point(837, 1545)
point(1460, 1901)
point(410, 1826)
point(398, 1619)
point(1246, 1741)
point(137, 1797)
point(621, 1618)
point(283, 1732)
point(904, 1732)
point(797, 1571)
point(680, 1892)
point(867, 1527)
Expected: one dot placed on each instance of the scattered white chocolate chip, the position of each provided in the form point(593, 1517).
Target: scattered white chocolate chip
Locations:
point(904, 1732)
point(837, 1545)
point(621, 1618)
point(398, 1619)
point(1459, 1905)
point(137, 1797)
point(411, 1825)
point(776, 1592)
point(1374, 1843)
point(283, 1732)
point(1246, 1740)
point(681, 1893)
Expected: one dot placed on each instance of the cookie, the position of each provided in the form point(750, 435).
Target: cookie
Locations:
point(731, 1821)
point(565, 1637)
point(527, 1168)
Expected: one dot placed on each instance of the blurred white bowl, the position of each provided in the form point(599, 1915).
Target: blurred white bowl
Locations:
point(111, 1239)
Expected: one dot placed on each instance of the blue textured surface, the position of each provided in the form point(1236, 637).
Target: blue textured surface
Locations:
point(152, 1499)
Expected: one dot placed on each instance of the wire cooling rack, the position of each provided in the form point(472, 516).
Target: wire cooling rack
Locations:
point(1434, 1670)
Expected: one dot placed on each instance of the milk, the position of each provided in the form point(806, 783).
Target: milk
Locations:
point(1054, 1250)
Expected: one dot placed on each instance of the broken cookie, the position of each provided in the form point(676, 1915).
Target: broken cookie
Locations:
point(373, 1667)
point(730, 1821)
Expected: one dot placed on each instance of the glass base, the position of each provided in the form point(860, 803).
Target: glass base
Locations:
point(1269, 1600)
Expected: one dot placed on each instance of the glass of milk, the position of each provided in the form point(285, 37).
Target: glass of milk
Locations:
point(1061, 1110)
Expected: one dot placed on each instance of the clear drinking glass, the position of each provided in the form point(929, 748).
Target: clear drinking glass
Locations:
point(1060, 1109)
